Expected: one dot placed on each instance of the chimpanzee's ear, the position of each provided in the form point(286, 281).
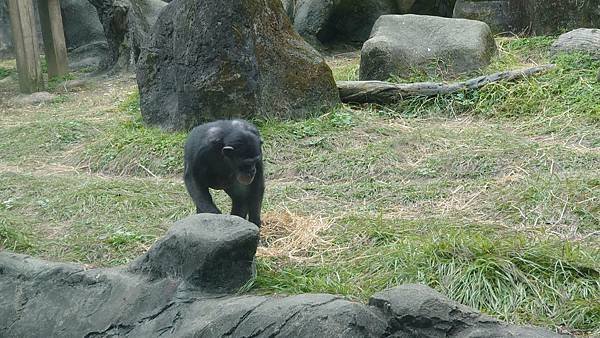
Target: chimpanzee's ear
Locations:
point(227, 151)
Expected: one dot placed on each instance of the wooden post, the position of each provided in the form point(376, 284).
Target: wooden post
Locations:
point(22, 23)
point(54, 37)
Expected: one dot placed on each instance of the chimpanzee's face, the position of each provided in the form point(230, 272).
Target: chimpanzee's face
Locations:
point(243, 162)
point(246, 169)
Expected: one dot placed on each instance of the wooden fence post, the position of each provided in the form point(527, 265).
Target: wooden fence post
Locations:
point(54, 37)
point(22, 22)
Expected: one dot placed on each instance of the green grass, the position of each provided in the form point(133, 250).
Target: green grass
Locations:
point(491, 196)
point(129, 147)
point(5, 72)
point(481, 265)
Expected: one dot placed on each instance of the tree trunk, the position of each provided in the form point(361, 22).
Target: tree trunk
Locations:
point(387, 92)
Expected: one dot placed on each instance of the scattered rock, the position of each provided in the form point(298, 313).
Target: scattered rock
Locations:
point(403, 44)
point(35, 98)
point(205, 61)
point(497, 14)
point(178, 289)
point(583, 40)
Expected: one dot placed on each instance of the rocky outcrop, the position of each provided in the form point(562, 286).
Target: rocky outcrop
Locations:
point(582, 40)
point(403, 44)
point(185, 286)
point(545, 17)
point(126, 24)
point(350, 21)
point(206, 61)
point(497, 14)
point(347, 20)
point(537, 17)
point(433, 7)
point(84, 35)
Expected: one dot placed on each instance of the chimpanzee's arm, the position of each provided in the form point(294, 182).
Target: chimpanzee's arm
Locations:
point(200, 195)
point(255, 197)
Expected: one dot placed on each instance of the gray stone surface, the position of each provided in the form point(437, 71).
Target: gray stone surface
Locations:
point(325, 22)
point(545, 17)
point(126, 24)
point(537, 17)
point(84, 34)
point(173, 291)
point(6, 44)
point(433, 7)
point(403, 44)
point(205, 61)
point(583, 40)
point(223, 263)
point(497, 14)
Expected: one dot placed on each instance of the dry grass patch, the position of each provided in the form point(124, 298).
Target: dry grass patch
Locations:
point(294, 237)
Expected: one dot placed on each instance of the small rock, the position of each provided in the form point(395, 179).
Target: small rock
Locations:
point(35, 98)
point(583, 40)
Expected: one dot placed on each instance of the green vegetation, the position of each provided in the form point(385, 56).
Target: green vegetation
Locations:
point(5, 72)
point(490, 196)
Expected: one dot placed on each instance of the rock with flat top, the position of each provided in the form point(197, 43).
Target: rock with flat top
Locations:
point(582, 40)
point(405, 44)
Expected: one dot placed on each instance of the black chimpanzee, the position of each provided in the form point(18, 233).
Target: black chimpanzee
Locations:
point(225, 155)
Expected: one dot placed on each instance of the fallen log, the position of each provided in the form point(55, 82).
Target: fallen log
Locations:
point(387, 92)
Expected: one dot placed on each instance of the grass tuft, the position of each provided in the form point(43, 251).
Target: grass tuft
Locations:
point(128, 147)
point(5, 72)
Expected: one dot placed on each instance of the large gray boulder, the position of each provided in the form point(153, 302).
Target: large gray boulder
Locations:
point(582, 40)
point(324, 22)
point(403, 44)
point(205, 60)
point(84, 35)
point(328, 21)
point(185, 286)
